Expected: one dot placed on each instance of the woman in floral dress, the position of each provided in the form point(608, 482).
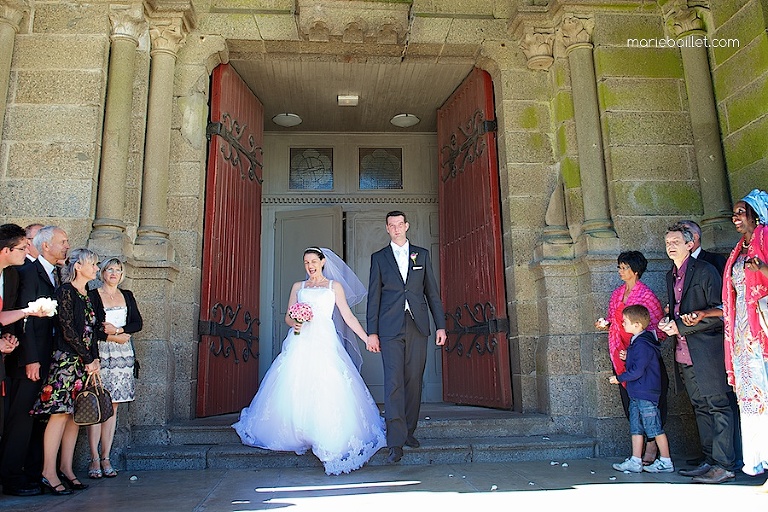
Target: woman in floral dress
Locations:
point(75, 355)
point(746, 359)
point(116, 309)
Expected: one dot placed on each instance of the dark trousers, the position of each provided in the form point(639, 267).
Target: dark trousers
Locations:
point(21, 449)
point(715, 421)
point(404, 359)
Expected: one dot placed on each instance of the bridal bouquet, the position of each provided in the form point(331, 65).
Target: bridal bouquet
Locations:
point(300, 312)
point(43, 305)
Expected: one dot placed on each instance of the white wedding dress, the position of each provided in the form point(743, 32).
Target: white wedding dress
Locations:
point(313, 397)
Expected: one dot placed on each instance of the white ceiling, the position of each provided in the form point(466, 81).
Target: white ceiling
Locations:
point(309, 88)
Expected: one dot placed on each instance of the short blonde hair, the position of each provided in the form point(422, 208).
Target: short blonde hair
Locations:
point(109, 262)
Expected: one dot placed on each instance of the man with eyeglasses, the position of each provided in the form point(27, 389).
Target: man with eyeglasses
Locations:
point(21, 450)
point(12, 252)
point(695, 285)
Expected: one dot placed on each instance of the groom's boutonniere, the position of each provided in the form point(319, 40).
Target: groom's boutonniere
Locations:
point(413, 260)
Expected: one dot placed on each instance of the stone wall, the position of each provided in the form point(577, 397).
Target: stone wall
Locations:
point(558, 278)
point(740, 74)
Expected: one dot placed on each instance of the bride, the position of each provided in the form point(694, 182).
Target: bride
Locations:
point(312, 396)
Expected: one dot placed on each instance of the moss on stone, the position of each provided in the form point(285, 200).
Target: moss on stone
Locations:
point(563, 106)
point(661, 197)
point(743, 67)
point(631, 61)
point(743, 27)
point(529, 117)
point(561, 139)
point(747, 145)
point(747, 104)
point(569, 169)
point(639, 94)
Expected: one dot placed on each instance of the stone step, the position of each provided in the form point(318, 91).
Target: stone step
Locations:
point(219, 430)
point(432, 451)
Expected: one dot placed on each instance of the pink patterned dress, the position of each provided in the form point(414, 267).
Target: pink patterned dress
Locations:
point(745, 357)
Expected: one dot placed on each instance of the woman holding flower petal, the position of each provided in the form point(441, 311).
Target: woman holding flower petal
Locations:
point(631, 265)
point(313, 396)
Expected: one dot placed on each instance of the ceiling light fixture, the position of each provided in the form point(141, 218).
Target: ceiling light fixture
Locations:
point(404, 120)
point(349, 100)
point(287, 120)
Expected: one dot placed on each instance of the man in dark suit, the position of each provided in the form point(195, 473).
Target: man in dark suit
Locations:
point(718, 261)
point(32, 252)
point(695, 285)
point(12, 253)
point(715, 259)
point(402, 291)
point(27, 367)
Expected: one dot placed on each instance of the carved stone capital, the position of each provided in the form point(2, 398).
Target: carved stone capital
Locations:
point(383, 22)
point(127, 21)
point(683, 19)
point(169, 23)
point(576, 32)
point(12, 11)
point(537, 47)
point(167, 36)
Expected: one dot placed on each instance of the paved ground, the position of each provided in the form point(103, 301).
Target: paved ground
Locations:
point(589, 484)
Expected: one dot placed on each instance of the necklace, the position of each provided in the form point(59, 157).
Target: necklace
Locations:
point(746, 244)
point(110, 295)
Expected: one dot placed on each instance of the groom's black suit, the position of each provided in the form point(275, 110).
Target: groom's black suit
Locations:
point(402, 335)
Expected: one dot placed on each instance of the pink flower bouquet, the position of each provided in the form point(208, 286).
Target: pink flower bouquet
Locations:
point(300, 312)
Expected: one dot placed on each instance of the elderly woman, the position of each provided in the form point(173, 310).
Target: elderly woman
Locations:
point(746, 343)
point(75, 354)
point(631, 266)
point(117, 311)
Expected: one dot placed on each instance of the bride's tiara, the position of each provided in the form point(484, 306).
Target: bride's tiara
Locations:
point(314, 249)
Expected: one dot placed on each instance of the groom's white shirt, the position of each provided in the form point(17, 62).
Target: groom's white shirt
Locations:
point(401, 257)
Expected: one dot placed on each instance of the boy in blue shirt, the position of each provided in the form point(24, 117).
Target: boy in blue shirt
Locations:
point(643, 379)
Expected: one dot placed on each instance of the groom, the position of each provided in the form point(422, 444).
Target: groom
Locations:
point(402, 285)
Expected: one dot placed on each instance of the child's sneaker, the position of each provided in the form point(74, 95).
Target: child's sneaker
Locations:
point(659, 466)
point(629, 465)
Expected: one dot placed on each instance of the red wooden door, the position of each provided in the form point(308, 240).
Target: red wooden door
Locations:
point(476, 369)
point(228, 354)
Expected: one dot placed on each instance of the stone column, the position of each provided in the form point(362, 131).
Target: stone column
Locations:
point(577, 34)
point(11, 13)
point(108, 237)
point(687, 27)
point(167, 30)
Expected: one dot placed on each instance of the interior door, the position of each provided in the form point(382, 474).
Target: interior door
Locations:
point(228, 367)
point(476, 369)
point(295, 230)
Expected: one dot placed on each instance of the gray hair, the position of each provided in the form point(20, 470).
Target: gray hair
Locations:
point(683, 230)
point(692, 226)
point(80, 255)
point(106, 264)
point(44, 236)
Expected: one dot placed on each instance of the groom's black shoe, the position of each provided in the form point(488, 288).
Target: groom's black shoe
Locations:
point(395, 454)
point(412, 442)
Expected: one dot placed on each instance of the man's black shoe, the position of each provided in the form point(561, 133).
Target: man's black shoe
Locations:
point(699, 470)
point(22, 491)
point(395, 454)
point(412, 442)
